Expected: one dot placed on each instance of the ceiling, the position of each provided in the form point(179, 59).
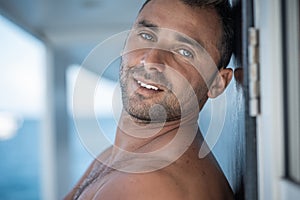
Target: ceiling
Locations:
point(76, 26)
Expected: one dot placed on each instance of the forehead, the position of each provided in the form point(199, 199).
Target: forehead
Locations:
point(201, 24)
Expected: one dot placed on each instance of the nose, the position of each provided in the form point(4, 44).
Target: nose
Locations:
point(153, 59)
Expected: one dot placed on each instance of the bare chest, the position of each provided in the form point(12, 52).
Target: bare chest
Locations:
point(93, 183)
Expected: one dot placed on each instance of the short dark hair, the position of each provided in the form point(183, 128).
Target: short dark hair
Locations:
point(224, 10)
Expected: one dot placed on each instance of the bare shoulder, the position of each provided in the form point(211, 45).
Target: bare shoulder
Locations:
point(161, 185)
point(208, 180)
point(155, 185)
point(190, 180)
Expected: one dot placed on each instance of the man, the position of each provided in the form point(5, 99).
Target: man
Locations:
point(173, 61)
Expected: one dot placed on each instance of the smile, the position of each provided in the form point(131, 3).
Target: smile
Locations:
point(147, 86)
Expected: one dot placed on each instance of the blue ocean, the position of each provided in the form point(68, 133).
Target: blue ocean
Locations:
point(20, 177)
point(20, 166)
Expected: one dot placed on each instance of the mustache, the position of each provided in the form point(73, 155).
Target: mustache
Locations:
point(139, 72)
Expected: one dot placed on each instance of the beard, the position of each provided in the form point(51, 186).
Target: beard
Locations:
point(164, 106)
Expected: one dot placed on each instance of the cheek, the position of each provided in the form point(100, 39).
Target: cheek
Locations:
point(131, 59)
point(189, 86)
point(189, 76)
point(126, 59)
point(133, 45)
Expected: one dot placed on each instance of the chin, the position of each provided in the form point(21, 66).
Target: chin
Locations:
point(152, 115)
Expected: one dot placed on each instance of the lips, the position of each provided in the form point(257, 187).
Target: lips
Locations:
point(147, 86)
point(148, 89)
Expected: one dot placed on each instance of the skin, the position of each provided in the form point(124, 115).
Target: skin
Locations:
point(185, 83)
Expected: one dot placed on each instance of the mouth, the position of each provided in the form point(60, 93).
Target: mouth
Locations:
point(148, 89)
point(148, 86)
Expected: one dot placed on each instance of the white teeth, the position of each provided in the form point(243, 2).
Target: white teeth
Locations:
point(150, 87)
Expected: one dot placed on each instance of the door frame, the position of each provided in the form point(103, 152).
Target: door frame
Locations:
point(271, 124)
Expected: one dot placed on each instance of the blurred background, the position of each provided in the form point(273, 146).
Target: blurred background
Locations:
point(57, 95)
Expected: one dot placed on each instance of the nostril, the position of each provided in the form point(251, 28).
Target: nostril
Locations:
point(154, 67)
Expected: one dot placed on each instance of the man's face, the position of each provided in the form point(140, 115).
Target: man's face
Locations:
point(169, 60)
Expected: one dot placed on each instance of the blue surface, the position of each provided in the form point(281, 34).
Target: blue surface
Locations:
point(20, 160)
point(19, 164)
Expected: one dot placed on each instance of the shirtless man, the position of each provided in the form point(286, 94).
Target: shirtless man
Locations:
point(174, 59)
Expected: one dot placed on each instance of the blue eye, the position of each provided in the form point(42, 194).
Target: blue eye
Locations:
point(185, 53)
point(147, 36)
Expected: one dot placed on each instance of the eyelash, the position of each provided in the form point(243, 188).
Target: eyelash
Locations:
point(144, 36)
point(182, 51)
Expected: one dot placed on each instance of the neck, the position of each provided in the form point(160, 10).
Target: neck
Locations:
point(140, 136)
point(143, 146)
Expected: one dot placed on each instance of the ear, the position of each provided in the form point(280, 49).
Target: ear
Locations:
point(220, 82)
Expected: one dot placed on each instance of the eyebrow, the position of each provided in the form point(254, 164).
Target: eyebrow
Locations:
point(146, 23)
point(191, 42)
point(180, 38)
